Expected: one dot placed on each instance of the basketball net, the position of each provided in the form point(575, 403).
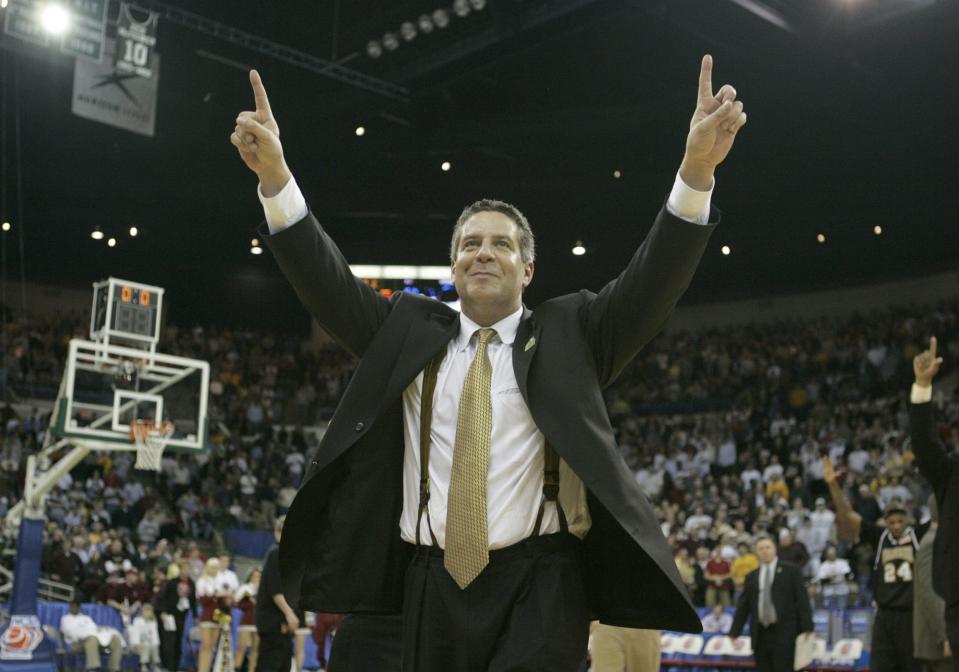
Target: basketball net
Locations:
point(223, 662)
point(151, 440)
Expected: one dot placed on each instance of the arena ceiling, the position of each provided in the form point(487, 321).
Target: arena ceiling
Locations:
point(852, 124)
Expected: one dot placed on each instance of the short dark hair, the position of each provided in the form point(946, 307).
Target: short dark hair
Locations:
point(766, 537)
point(527, 242)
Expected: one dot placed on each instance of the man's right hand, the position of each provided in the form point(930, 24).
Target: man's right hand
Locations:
point(292, 622)
point(257, 138)
point(926, 365)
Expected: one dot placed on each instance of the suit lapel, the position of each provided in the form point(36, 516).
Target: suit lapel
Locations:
point(424, 339)
point(524, 348)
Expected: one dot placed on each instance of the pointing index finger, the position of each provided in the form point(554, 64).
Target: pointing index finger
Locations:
point(259, 93)
point(932, 347)
point(706, 77)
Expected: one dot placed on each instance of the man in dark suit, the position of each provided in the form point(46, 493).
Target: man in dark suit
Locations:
point(941, 469)
point(470, 476)
point(775, 601)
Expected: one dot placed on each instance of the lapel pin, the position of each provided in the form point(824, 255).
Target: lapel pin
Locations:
point(529, 344)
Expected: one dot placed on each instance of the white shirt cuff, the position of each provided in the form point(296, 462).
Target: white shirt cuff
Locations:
point(284, 209)
point(920, 395)
point(688, 203)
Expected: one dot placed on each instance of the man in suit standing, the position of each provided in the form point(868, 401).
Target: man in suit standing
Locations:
point(275, 619)
point(941, 469)
point(930, 644)
point(775, 601)
point(470, 476)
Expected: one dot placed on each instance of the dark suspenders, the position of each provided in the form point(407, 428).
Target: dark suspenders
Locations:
point(550, 460)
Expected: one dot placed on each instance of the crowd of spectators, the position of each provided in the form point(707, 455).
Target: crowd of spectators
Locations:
point(725, 430)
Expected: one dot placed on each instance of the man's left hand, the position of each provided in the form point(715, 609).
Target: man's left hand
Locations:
point(712, 130)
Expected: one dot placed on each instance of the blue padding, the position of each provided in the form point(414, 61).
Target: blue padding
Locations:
point(249, 543)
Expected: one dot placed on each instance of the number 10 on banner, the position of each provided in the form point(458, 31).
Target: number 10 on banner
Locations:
point(135, 41)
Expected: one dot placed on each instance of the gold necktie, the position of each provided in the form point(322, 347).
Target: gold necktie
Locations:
point(467, 546)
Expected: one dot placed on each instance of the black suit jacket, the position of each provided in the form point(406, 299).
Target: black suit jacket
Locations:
point(793, 611)
point(942, 471)
point(341, 550)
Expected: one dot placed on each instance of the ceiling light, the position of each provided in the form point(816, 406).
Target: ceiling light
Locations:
point(821, 238)
point(461, 8)
point(391, 41)
point(6, 226)
point(360, 131)
point(877, 230)
point(55, 19)
point(256, 250)
point(112, 242)
point(408, 30)
point(726, 250)
point(578, 249)
point(373, 49)
point(478, 5)
point(134, 232)
point(255, 242)
point(617, 174)
point(446, 166)
point(441, 18)
point(96, 234)
point(425, 24)
point(3, 4)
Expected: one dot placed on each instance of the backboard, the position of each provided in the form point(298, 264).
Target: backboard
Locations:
point(106, 387)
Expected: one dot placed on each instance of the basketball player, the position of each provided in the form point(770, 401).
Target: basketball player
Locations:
point(893, 570)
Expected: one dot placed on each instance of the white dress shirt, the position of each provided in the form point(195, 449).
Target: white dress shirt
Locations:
point(515, 481)
point(767, 576)
point(77, 627)
point(143, 632)
point(920, 395)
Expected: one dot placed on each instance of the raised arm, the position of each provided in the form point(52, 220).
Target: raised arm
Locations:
point(848, 522)
point(931, 456)
point(633, 308)
point(348, 309)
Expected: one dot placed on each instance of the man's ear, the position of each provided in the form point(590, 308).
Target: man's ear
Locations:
point(528, 273)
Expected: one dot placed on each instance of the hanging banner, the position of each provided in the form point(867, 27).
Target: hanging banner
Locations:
point(136, 41)
point(85, 34)
point(22, 20)
point(124, 100)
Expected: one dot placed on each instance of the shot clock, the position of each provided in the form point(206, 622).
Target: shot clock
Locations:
point(126, 312)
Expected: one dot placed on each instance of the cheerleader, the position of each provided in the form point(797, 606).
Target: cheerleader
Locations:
point(245, 600)
point(208, 595)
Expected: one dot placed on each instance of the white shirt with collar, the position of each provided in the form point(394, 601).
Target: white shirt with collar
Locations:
point(771, 577)
point(77, 627)
point(515, 485)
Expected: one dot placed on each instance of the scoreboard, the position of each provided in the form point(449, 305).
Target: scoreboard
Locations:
point(126, 312)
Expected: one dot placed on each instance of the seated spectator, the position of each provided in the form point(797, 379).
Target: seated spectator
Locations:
point(719, 584)
point(745, 563)
point(80, 634)
point(144, 638)
point(717, 621)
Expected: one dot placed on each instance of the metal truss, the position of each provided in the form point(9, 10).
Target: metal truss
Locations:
point(275, 50)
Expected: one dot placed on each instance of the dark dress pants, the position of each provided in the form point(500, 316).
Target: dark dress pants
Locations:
point(276, 652)
point(774, 649)
point(367, 642)
point(526, 612)
point(892, 643)
point(171, 643)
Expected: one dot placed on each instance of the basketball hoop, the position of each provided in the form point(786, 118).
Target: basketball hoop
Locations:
point(150, 438)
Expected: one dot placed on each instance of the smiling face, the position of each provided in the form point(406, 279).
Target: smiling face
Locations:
point(488, 268)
